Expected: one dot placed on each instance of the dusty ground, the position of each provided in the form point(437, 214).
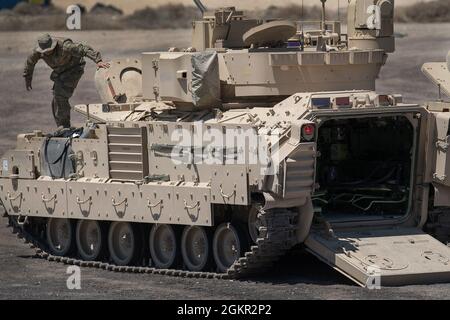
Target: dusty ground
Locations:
point(297, 277)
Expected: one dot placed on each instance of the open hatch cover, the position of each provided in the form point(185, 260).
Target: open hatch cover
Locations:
point(439, 74)
point(388, 257)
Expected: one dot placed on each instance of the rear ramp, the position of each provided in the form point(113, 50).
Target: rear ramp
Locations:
point(387, 257)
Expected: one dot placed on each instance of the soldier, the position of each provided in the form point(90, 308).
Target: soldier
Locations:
point(66, 58)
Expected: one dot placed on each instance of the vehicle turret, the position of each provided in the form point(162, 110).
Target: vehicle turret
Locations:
point(234, 59)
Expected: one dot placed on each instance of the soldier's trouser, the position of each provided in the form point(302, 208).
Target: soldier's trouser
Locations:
point(63, 88)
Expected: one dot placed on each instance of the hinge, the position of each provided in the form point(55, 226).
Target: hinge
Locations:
point(441, 178)
point(155, 65)
point(156, 93)
point(443, 146)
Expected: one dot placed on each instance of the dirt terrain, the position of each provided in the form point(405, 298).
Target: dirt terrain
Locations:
point(297, 277)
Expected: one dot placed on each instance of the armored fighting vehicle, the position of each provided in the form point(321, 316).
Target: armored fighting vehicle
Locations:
point(216, 160)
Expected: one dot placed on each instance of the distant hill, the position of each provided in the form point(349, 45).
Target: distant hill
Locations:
point(129, 6)
point(106, 16)
point(435, 11)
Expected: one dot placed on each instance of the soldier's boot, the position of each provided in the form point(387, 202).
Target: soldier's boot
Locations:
point(61, 111)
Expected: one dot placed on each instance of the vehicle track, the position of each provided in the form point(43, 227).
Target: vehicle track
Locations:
point(277, 237)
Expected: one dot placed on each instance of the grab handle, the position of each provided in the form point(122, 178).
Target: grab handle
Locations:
point(150, 205)
point(46, 200)
point(227, 196)
point(191, 207)
point(14, 198)
point(84, 201)
point(115, 204)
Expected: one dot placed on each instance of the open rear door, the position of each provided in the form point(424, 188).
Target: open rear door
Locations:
point(439, 74)
point(388, 257)
point(441, 170)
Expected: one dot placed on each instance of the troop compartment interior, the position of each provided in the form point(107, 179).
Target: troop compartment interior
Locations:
point(365, 167)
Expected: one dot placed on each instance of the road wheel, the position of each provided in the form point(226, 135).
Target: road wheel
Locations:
point(163, 246)
point(228, 246)
point(60, 236)
point(123, 243)
point(90, 238)
point(195, 248)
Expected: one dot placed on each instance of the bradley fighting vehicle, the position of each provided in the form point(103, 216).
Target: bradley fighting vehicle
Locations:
point(216, 160)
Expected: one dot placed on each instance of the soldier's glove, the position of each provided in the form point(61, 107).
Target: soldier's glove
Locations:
point(28, 84)
point(103, 65)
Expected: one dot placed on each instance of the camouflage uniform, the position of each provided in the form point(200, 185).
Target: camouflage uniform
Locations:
point(67, 62)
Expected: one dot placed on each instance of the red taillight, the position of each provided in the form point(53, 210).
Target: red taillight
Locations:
point(308, 131)
point(342, 101)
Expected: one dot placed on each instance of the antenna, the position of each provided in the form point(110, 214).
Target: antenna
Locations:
point(302, 11)
point(200, 6)
point(324, 18)
point(339, 10)
point(302, 36)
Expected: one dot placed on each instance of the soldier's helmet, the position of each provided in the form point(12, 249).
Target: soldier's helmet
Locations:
point(46, 44)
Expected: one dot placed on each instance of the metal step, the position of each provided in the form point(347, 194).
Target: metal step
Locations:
point(126, 175)
point(125, 166)
point(125, 148)
point(124, 139)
